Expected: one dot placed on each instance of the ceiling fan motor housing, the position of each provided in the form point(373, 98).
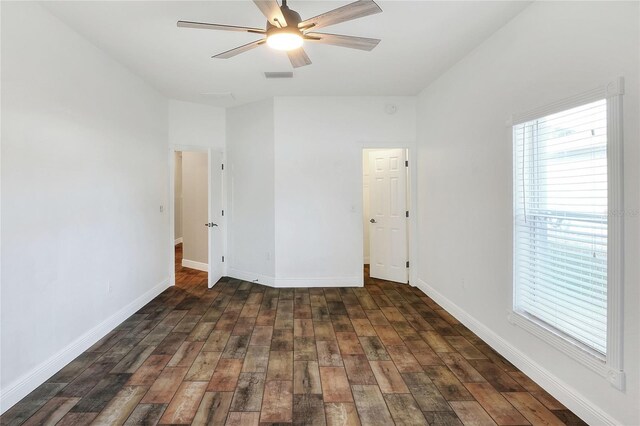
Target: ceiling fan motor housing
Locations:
point(291, 16)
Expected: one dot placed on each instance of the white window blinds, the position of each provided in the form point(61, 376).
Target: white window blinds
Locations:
point(560, 230)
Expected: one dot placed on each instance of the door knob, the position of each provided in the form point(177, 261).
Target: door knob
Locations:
point(373, 221)
point(210, 224)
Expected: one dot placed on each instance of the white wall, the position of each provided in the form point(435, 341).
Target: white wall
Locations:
point(196, 125)
point(318, 182)
point(84, 172)
point(295, 182)
point(549, 52)
point(195, 208)
point(177, 196)
point(250, 180)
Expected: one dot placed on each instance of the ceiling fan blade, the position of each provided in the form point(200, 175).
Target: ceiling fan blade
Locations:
point(271, 10)
point(207, 26)
point(238, 50)
point(298, 57)
point(349, 12)
point(352, 42)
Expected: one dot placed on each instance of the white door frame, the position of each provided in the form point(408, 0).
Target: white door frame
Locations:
point(172, 170)
point(412, 199)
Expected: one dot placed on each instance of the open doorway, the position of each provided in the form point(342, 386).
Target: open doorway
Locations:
point(191, 198)
point(197, 207)
point(385, 197)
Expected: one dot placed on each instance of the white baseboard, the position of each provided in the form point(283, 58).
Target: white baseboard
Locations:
point(177, 241)
point(195, 265)
point(22, 386)
point(251, 277)
point(354, 281)
point(566, 394)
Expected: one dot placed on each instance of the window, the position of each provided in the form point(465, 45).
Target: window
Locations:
point(567, 181)
point(561, 222)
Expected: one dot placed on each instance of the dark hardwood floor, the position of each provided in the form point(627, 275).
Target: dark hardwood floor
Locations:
point(244, 354)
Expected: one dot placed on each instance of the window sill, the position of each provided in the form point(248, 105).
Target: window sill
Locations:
point(589, 358)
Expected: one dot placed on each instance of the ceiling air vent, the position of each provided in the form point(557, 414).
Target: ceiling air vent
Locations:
point(279, 74)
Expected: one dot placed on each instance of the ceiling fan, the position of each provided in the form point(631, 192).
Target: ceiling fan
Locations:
point(285, 30)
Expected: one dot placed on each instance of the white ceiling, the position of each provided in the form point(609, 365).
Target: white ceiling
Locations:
point(420, 40)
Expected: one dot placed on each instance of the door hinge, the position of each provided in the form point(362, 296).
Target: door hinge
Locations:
point(406, 163)
point(223, 258)
point(407, 263)
point(222, 212)
point(407, 213)
point(222, 166)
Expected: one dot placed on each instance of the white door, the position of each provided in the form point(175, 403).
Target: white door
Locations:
point(215, 224)
point(388, 223)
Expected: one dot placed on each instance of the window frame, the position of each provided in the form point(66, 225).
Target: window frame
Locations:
point(610, 365)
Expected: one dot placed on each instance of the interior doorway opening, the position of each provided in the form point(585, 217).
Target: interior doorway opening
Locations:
point(385, 219)
point(197, 234)
point(191, 198)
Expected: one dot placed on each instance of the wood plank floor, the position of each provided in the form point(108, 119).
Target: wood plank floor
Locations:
point(245, 354)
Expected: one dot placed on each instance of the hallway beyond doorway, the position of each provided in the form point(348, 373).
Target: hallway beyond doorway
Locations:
point(187, 277)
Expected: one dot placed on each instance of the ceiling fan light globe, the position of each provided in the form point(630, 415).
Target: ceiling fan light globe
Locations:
point(284, 41)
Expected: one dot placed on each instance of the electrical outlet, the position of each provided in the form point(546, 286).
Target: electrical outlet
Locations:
point(161, 208)
point(108, 286)
point(462, 283)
